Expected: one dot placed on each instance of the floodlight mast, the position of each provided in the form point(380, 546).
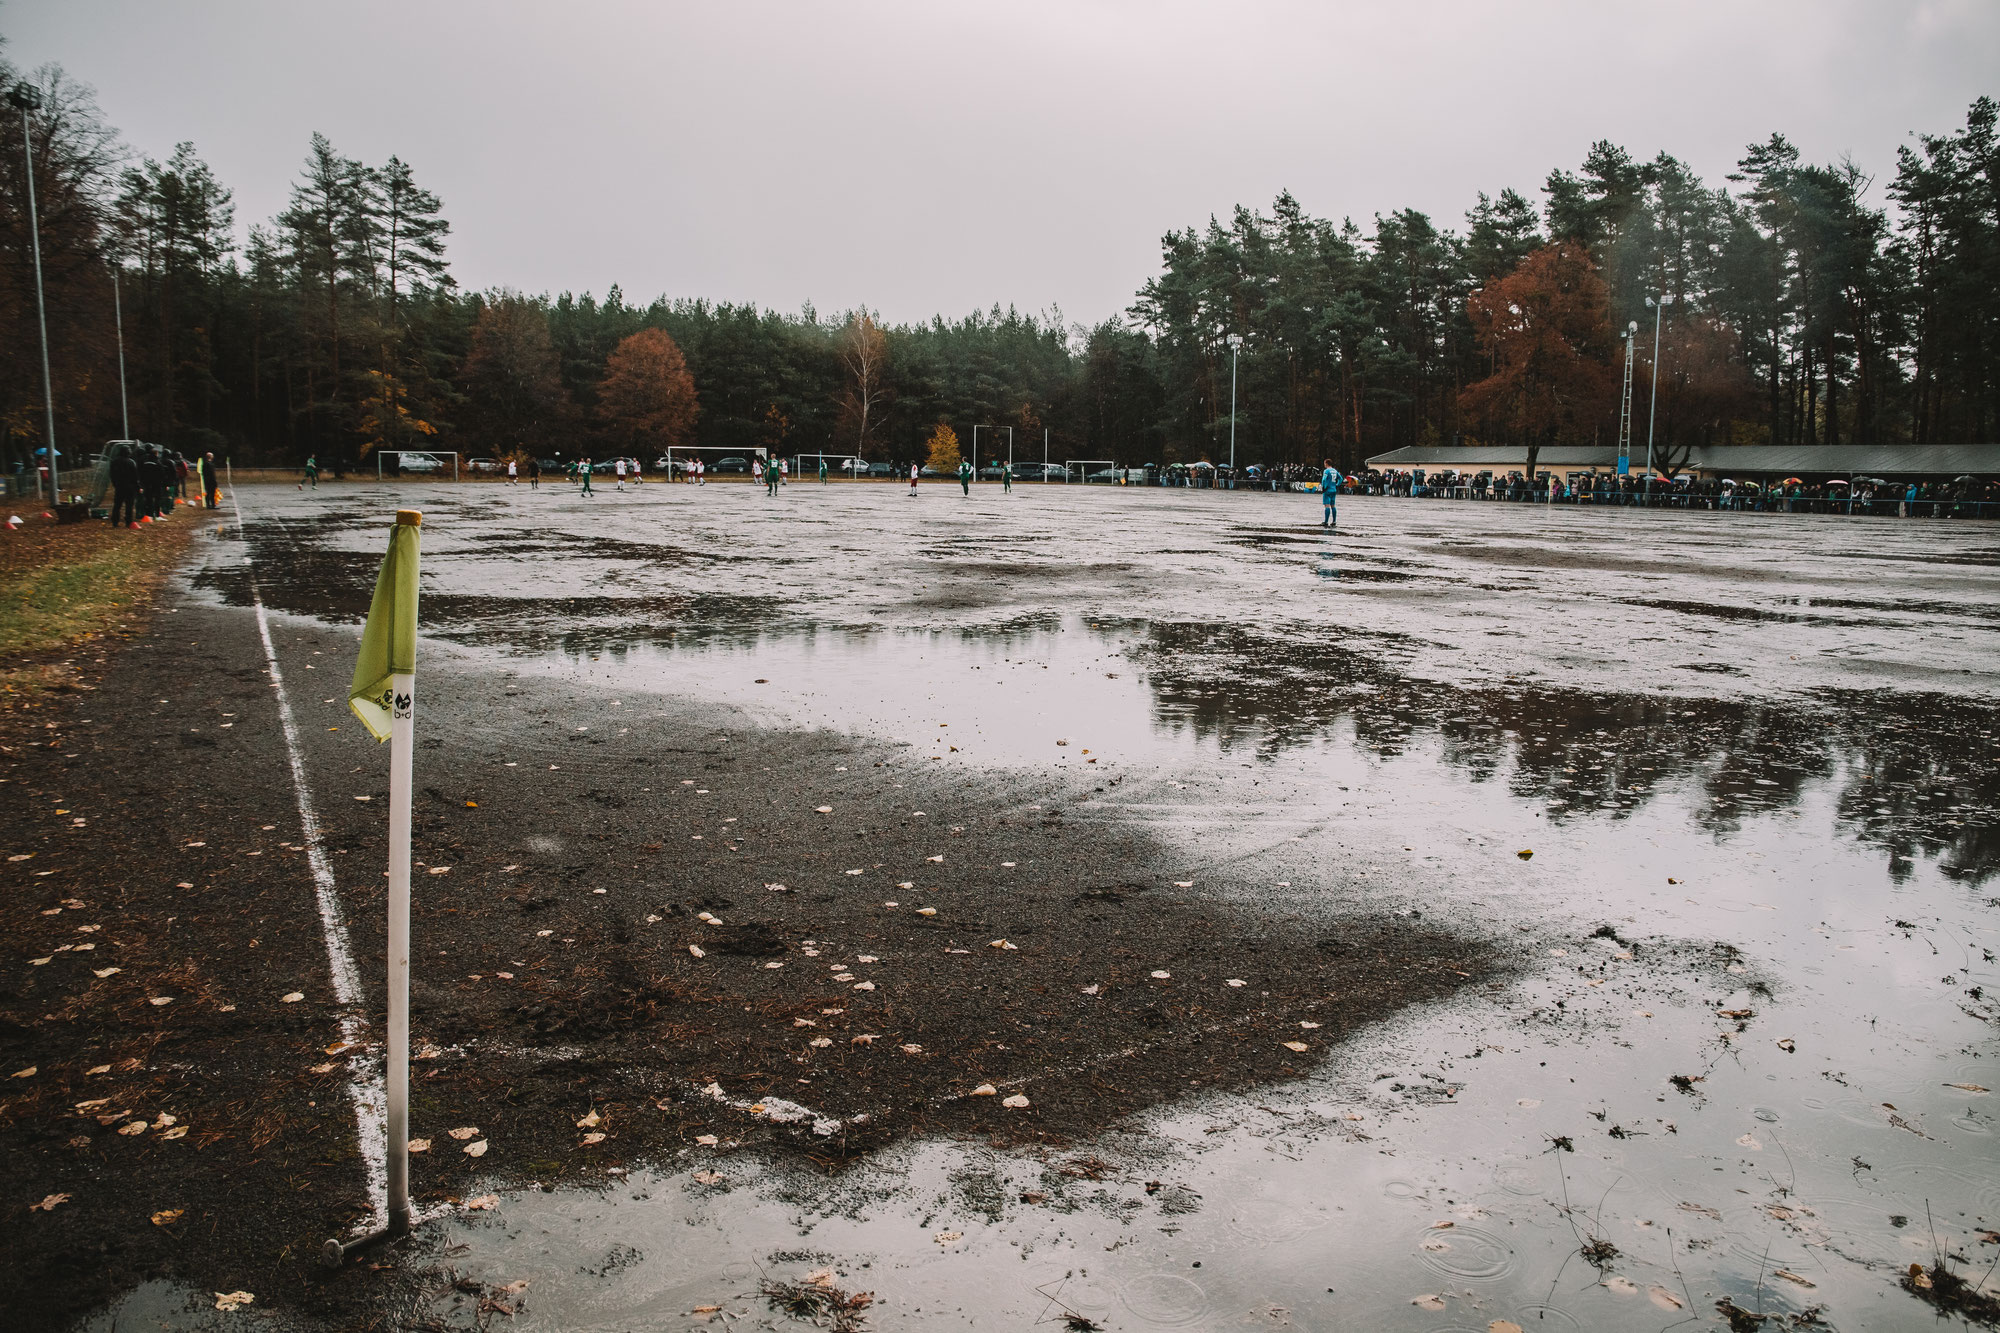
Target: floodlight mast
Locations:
point(1653, 402)
point(1235, 348)
point(26, 97)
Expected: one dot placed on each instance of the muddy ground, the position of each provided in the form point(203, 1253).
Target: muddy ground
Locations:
point(1477, 791)
point(155, 837)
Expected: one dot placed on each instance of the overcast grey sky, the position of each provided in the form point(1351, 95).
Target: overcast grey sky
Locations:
point(937, 157)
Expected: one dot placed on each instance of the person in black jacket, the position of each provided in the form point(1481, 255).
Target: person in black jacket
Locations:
point(210, 487)
point(124, 488)
point(149, 482)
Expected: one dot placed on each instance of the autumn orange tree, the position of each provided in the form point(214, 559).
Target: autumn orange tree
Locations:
point(1547, 335)
point(943, 449)
point(646, 399)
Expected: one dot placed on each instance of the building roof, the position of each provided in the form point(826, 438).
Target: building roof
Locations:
point(1883, 460)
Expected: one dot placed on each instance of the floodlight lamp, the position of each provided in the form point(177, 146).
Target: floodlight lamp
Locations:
point(1649, 303)
point(1235, 340)
point(1633, 327)
point(24, 96)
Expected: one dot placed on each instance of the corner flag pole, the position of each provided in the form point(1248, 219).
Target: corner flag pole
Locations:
point(384, 697)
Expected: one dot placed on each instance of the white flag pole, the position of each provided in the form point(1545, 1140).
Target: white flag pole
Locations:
point(402, 746)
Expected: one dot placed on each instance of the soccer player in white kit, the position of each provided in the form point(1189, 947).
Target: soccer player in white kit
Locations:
point(619, 464)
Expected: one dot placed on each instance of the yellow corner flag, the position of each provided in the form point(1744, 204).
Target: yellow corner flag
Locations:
point(389, 640)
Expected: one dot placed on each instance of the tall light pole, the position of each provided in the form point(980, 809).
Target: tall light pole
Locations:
point(1653, 399)
point(1235, 349)
point(118, 312)
point(1625, 407)
point(27, 97)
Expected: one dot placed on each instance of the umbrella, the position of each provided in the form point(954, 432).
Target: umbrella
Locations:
point(1967, 477)
point(1792, 481)
point(1836, 481)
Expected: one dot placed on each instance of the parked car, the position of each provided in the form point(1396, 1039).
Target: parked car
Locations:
point(484, 465)
point(413, 461)
point(888, 469)
point(730, 464)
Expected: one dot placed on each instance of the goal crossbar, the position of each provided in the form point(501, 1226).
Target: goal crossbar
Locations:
point(1086, 463)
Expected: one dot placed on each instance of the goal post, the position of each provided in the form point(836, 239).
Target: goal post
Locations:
point(836, 464)
point(1082, 468)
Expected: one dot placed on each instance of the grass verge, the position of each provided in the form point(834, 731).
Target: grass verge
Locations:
point(61, 586)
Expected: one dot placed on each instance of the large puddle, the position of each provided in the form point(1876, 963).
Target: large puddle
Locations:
point(1746, 1053)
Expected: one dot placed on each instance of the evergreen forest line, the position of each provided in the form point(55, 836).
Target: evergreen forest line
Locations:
point(1803, 304)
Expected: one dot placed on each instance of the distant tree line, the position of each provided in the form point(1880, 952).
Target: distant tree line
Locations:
point(1797, 309)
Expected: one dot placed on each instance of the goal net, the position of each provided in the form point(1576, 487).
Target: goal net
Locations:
point(837, 465)
point(1087, 470)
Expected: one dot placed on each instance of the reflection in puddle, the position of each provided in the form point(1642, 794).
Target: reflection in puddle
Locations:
point(1746, 1056)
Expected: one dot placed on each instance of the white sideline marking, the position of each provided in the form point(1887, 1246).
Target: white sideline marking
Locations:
point(365, 1087)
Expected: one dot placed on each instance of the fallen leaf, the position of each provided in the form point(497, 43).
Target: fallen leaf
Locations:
point(1701, 1210)
point(1748, 1141)
point(94, 1102)
point(594, 1137)
point(1786, 1044)
point(1162, 976)
point(164, 1121)
point(696, 950)
point(1503, 1326)
point(1972, 1088)
point(1307, 1024)
point(1525, 853)
point(326, 1068)
point(934, 858)
point(1445, 1225)
point(1665, 1299)
point(293, 998)
point(927, 911)
point(864, 985)
point(1624, 1286)
point(706, 1140)
point(420, 1145)
point(132, 1127)
point(106, 971)
point(467, 1132)
point(865, 1039)
point(911, 1048)
point(591, 1121)
point(484, 1203)
point(236, 1300)
point(29, 1072)
point(1234, 981)
point(985, 1090)
point(947, 1237)
point(161, 999)
point(177, 1132)
point(167, 1216)
point(823, 809)
point(49, 1202)
point(821, 1042)
point(1017, 1101)
point(1295, 1046)
point(477, 1148)
point(1428, 1301)
point(1790, 1276)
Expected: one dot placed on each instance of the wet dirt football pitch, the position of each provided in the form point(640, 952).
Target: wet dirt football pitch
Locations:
point(1129, 907)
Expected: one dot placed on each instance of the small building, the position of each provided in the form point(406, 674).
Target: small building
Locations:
point(1740, 462)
